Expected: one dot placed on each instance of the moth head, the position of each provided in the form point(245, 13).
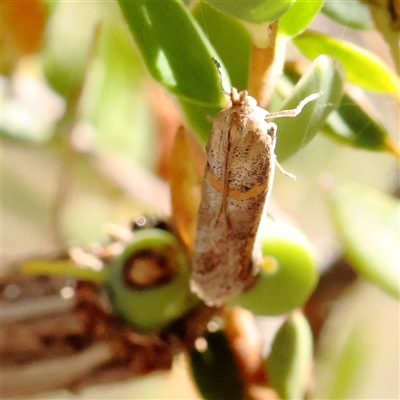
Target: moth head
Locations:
point(242, 98)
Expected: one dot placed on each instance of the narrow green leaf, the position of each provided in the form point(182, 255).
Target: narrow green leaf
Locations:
point(362, 67)
point(199, 117)
point(255, 11)
point(299, 17)
point(289, 363)
point(353, 14)
point(351, 124)
point(43, 266)
point(324, 75)
point(174, 49)
point(220, 30)
point(367, 223)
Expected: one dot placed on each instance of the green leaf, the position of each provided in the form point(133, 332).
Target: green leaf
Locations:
point(174, 49)
point(215, 371)
point(362, 67)
point(199, 117)
point(324, 75)
point(367, 223)
point(353, 14)
point(255, 11)
point(289, 364)
point(299, 17)
point(352, 125)
point(220, 30)
point(178, 56)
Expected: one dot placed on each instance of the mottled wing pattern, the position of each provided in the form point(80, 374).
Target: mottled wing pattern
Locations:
point(236, 185)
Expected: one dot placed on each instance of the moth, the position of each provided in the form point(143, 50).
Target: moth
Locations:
point(236, 188)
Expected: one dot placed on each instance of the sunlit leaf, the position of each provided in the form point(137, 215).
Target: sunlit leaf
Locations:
point(297, 19)
point(362, 67)
point(255, 11)
point(174, 49)
point(178, 56)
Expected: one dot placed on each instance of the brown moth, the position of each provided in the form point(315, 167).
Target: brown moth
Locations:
point(236, 187)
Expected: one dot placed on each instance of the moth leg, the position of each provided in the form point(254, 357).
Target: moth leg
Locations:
point(283, 171)
point(296, 111)
point(270, 216)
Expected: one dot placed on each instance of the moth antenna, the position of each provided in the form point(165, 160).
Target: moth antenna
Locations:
point(222, 77)
point(296, 111)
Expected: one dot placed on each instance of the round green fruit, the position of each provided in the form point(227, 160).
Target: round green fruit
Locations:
point(148, 284)
point(288, 272)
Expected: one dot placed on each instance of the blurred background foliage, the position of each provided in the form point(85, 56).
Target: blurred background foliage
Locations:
point(86, 135)
point(79, 97)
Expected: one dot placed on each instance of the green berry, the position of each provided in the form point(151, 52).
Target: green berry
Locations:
point(149, 283)
point(288, 272)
